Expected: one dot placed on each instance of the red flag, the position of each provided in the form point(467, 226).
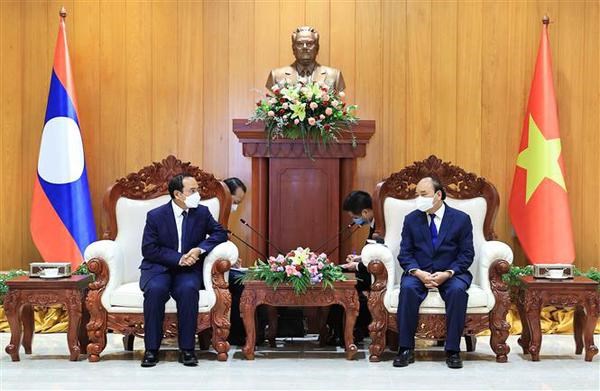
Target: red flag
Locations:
point(539, 206)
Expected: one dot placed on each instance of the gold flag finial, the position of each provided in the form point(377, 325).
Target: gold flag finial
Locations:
point(63, 12)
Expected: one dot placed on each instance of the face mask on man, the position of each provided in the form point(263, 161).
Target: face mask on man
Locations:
point(424, 203)
point(359, 220)
point(193, 200)
point(234, 207)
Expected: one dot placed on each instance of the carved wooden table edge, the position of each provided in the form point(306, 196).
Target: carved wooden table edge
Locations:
point(24, 293)
point(580, 292)
point(258, 292)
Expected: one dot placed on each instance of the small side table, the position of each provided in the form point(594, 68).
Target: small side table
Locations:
point(24, 292)
point(580, 292)
point(258, 292)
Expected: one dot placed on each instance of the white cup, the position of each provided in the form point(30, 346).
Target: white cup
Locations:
point(556, 273)
point(52, 272)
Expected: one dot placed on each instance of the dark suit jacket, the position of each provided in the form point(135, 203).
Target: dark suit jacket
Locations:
point(362, 273)
point(160, 241)
point(454, 248)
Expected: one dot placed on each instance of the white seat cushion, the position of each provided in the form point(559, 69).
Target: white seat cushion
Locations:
point(433, 303)
point(130, 295)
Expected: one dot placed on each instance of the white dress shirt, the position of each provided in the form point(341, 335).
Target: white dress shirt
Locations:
point(178, 212)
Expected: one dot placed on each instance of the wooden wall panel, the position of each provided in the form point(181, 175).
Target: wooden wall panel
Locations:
point(443, 77)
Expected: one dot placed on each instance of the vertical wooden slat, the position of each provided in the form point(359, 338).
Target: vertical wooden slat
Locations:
point(216, 87)
point(113, 94)
point(164, 79)
point(342, 43)
point(393, 125)
point(190, 82)
point(419, 138)
point(139, 78)
point(11, 135)
point(444, 86)
point(36, 70)
point(468, 85)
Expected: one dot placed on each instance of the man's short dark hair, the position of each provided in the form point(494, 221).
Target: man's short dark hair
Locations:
point(234, 183)
point(356, 201)
point(176, 183)
point(438, 186)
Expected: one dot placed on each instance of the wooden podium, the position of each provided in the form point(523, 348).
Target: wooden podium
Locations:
point(297, 201)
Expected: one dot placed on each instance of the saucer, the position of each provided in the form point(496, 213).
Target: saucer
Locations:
point(52, 277)
point(557, 278)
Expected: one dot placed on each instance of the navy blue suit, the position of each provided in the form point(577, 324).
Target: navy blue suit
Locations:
point(453, 251)
point(161, 275)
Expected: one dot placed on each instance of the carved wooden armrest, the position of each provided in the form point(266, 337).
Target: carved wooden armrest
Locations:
point(498, 325)
point(221, 310)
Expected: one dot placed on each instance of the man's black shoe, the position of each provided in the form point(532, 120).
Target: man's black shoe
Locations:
point(188, 358)
point(404, 357)
point(150, 359)
point(454, 361)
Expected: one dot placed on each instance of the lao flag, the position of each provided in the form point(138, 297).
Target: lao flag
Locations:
point(62, 222)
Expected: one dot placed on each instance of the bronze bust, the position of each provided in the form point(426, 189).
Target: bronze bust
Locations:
point(305, 45)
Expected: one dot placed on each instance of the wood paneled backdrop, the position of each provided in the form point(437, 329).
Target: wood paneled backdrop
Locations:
point(154, 78)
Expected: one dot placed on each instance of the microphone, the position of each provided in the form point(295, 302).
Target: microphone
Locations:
point(261, 236)
point(247, 244)
point(337, 234)
point(342, 241)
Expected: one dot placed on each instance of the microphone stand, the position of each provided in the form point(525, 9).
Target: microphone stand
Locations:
point(261, 236)
point(337, 234)
point(248, 245)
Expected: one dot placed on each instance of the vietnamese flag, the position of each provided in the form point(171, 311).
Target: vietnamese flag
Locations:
point(538, 205)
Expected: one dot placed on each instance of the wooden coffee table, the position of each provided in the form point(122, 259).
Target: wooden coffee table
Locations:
point(25, 292)
point(257, 293)
point(580, 292)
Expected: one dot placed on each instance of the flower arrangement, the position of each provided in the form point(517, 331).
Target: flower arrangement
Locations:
point(300, 268)
point(313, 112)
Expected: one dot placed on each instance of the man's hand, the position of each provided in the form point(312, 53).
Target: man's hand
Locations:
point(440, 277)
point(352, 261)
point(426, 278)
point(191, 257)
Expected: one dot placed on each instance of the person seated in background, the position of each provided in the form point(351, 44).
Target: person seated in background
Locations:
point(237, 188)
point(237, 334)
point(176, 239)
point(359, 206)
point(436, 252)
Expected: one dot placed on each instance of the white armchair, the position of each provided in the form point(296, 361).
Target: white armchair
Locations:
point(115, 300)
point(488, 301)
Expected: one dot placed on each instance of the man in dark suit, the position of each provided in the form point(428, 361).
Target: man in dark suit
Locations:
point(174, 246)
point(435, 253)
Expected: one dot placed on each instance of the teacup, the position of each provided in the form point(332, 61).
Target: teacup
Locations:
point(51, 272)
point(555, 273)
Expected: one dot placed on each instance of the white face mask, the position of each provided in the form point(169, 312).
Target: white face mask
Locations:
point(234, 207)
point(424, 203)
point(193, 200)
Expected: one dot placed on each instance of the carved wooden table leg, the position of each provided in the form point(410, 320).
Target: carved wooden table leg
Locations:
point(578, 324)
point(350, 303)
point(83, 335)
point(12, 308)
point(248, 310)
point(532, 309)
point(74, 306)
point(28, 327)
point(591, 312)
point(525, 338)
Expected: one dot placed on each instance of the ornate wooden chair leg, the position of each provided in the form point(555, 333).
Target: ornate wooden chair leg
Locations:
point(128, 342)
point(219, 316)
point(471, 342)
point(499, 327)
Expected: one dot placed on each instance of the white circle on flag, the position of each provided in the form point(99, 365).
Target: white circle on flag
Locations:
point(61, 151)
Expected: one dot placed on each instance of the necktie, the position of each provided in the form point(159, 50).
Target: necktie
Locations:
point(183, 230)
point(433, 230)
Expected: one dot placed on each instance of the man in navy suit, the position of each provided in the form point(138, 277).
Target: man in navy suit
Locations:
point(177, 237)
point(435, 253)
